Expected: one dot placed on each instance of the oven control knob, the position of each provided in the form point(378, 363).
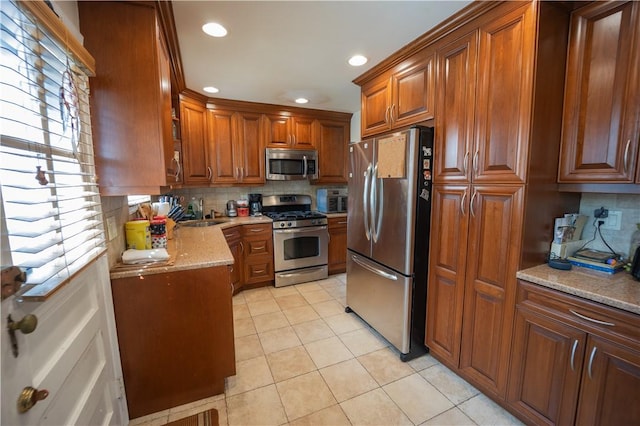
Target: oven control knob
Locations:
point(281, 224)
point(289, 224)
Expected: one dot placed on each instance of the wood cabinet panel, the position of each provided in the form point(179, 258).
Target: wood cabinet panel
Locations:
point(456, 62)
point(332, 140)
point(568, 353)
point(130, 97)
point(195, 143)
point(250, 147)
point(167, 361)
point(401, 97)
point(289, 131)
point(257, 252)
point(610, 384)
point(546, 366)
point(601, 129)
point(413, 91)
point(337, 255)
point(375, 100)
point(495, 232)
point(302, 132)
point(447, 263)
point(234, 240)
point(223, 146)
point(504, 93)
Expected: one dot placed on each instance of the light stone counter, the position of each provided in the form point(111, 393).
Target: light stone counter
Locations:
point(192, 248)
point(332, 215)
point(618, 290)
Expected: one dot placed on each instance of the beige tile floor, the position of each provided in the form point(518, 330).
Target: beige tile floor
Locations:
point(301, 360)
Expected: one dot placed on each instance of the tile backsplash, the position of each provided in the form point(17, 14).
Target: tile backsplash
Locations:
point(628, 204)
point(216, 198)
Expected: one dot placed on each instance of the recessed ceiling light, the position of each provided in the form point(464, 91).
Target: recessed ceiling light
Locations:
point(210, 89)
point(214, 29)
point(302, 100)
point(357, 60)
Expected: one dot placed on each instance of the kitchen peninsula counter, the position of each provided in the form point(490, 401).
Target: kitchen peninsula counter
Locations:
point(191, 248)
point(618, 290)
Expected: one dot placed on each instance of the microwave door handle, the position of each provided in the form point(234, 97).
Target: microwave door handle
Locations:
point(304, 161)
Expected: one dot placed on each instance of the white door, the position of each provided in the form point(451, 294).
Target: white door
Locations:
point(73, 354)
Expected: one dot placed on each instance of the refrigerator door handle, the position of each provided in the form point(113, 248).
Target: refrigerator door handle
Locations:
point(373, 269)
point(380, 214)
point(373, 201)
point(365, 202)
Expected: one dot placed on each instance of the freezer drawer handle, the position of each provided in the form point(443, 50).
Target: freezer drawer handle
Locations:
point(374, 270)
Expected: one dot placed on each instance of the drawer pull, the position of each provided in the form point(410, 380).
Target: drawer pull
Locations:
point(342, 223)
point(257, 230)
point(591, 319)
point(573, 354)
point(593, 354)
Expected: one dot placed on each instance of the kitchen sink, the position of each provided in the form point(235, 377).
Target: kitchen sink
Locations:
point(202, 223)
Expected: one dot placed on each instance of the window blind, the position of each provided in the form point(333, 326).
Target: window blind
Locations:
point(52, 216)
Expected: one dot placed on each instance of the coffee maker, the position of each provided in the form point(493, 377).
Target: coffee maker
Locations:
point(255, 204)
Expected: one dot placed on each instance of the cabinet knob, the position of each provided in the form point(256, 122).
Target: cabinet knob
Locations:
point(29, 397)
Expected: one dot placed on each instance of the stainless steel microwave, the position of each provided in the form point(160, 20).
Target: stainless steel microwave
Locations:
point(291, 164)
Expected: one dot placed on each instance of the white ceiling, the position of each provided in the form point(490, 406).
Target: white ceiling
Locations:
point(276, 51)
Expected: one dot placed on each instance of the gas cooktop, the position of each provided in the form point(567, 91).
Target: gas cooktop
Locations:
point(291, 211)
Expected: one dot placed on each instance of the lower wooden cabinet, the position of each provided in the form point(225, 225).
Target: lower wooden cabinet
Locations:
point(234, 241)
point(175, 332)
point(337, 245)
point(573, 361)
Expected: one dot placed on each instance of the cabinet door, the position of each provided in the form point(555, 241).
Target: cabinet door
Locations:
point(504, 94)
point(337, 256)
point(250, 148)
point(332, 139)
point(277, 130)
point(166, 122)
point(234, 237)
point(302, 133)
point(546, 366)
point(413, 90)
point(456, 98)
point(195, 143)
point(610, 384)
point(447, 261)
point(601, 109)
point(221, 139)
point(495, 230)
point(375, 101)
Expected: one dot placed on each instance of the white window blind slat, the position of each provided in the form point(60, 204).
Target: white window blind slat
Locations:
point(51, 205)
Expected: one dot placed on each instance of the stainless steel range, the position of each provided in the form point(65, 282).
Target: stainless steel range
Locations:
point(300, 239)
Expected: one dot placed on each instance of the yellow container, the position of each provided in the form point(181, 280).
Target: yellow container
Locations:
point(138, 235)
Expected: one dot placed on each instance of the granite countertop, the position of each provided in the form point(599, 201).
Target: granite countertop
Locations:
point(192, 248)
point(331, 215)
point(619, 290)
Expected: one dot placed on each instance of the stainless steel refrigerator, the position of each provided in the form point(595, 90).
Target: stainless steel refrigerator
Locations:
point(389, 211)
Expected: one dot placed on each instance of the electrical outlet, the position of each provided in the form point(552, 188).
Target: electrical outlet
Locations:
point(112, 229)
point(613, 221)
point(600, 213)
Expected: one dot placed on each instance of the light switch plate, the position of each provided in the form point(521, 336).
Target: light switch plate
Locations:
point(112, 228)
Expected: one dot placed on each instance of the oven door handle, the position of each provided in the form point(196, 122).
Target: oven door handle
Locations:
point(299, 230)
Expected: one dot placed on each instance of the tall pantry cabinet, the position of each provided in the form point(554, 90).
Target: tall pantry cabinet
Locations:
point(498, 123)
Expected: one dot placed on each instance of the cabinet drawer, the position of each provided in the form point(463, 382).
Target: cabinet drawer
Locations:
point(612, 323)
point(262, 230)
point(232, 233)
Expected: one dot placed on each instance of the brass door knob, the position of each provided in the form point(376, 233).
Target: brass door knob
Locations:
point(26, 325)
point(29, 397)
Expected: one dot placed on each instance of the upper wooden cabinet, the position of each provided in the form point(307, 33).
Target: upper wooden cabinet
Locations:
point(332, 139)
point(237, 147)
point(195, 143)
point(130, 97)
point(601, 129)
point(401, 97)
point(484, 103)
point(289, 131)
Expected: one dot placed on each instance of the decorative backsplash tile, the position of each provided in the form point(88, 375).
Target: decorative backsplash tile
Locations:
point(628, 204)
